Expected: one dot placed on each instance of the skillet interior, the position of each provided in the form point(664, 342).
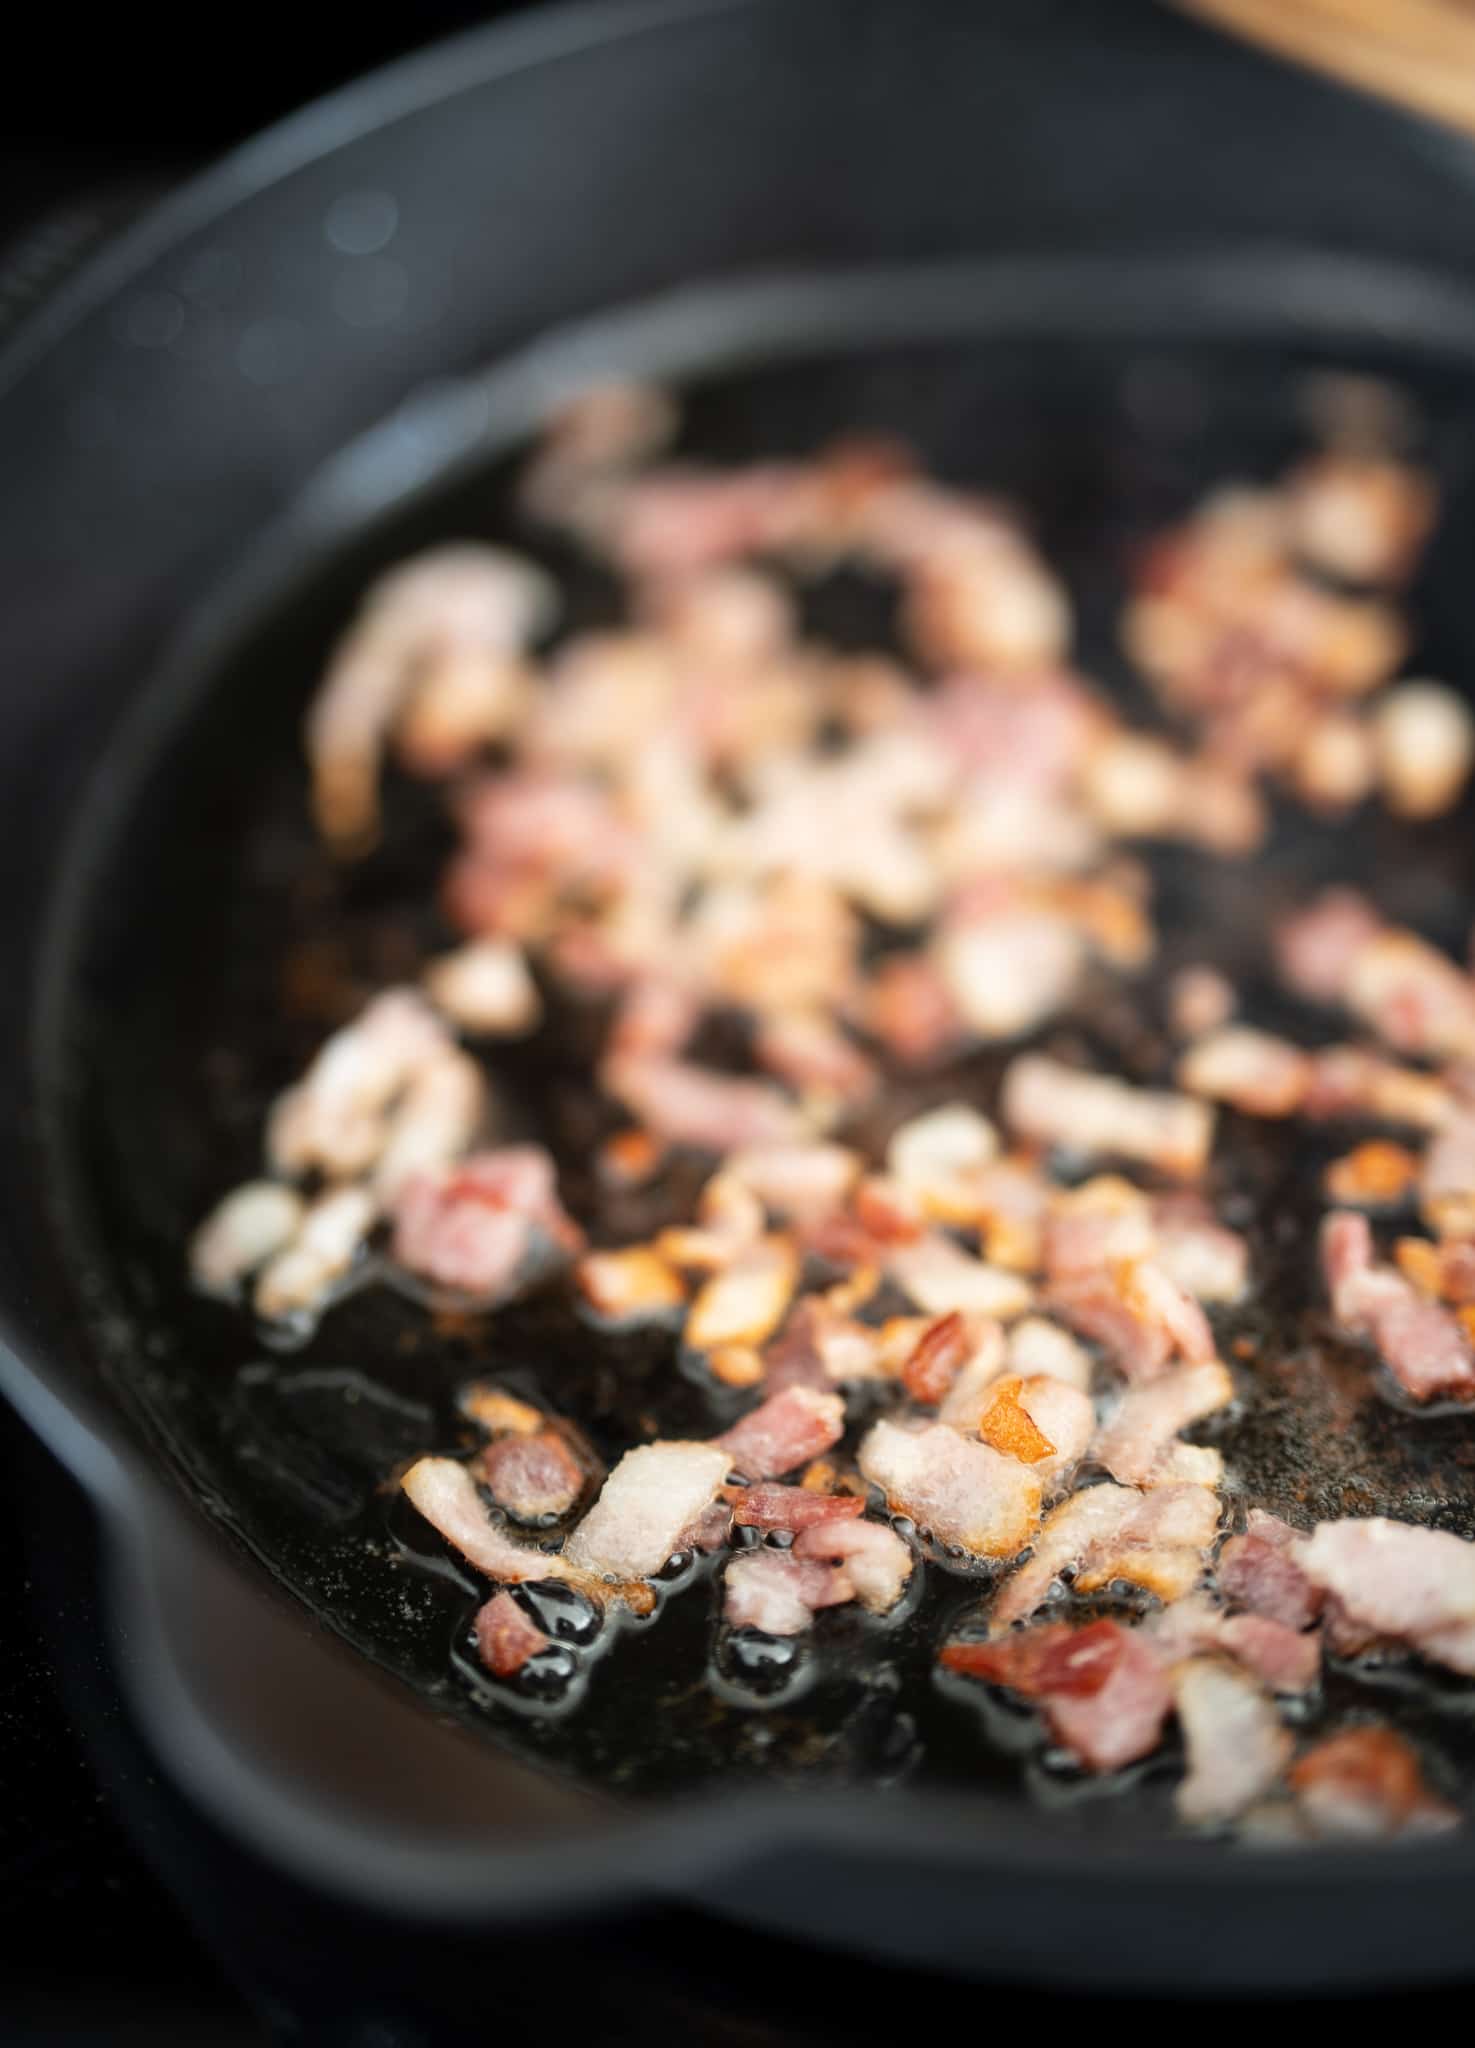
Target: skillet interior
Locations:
point(216, 944)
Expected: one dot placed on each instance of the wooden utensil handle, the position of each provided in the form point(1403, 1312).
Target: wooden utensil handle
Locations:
point(1420, 53)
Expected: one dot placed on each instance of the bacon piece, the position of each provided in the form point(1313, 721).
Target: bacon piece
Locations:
point(445, 1493)
point(1377, 1175)
point(748, 1299)
point(1282, 1658)
point(691, 1105)
point(1012, 1199)
point(792, 1507)
point(1348, 1080)
point(1445, 1270)
point(635, 1285)
point(814, 1057)
point(1415, 998)
point(1237, 1748)
point(1425, 738)
point(939, 1156)
point(779, 1593)
point(252, 1224)
point(800, 1182)
point(1259, 1570)
point(910, 1008)
point(1447, 1180)
point(435, 1121)
point(1367, 1784)
point(874, 1558)
point(1402, 1584)
point(1053, 1104)
point(1067, 1537)
point(1251, 1070)
point(1040, 1349)
point(1112, 1532)
point(1009, 971)
point(1139, 1446)
point(533, 1477)
point(968, 1395)
point(1096, 1226)
point(965, 1493)
point(1136, 1313)
point(1199, 1255)
point(1008, 1426)
point(943, 1348)
point(1200, 1000)
point(300, 1278)
point(456, 599)
point(1423, 1345)
point(1102, 1690)
point(1361, 518)
point(649, 1501)
point(483, 1225)
point(499, 1413)
point(336, 1119)
point(505, 1637)
point(938, 1276)
point(783, 1432)
point(1060, 1415)
point(1315, 948)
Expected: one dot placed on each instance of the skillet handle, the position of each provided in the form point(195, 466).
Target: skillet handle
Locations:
point(1419, 53)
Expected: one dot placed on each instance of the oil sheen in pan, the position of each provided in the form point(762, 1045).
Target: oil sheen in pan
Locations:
point(232, 944)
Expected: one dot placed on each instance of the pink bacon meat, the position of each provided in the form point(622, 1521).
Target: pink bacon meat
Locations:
point(1103, 1691)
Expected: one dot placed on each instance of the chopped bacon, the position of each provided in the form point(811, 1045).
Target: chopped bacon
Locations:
point(1007, 1424)
point(1425, 737)
point(1060, 1417)
point(1139, 1446)
point(1237, 1747)
point(434, 1122)
point(1199, 1255)
point(940, 1156)
point(649, 1501)
point(1112, 1532)
point(499, 1413)
point(1361, 518)
point(910, 1008)
point(1315, 948)
point(801, 1182)
point(1366, 1783)
point(748, 1299)
point(336, 1119)
point(814, 1057)
point(445, 1493)
point(1136, 1313)
point(656, 1016)
point(485, 987)
point(1259, 1571)
point(1413, 996)
point(780, 1593)
point(1058, 1105)
point(1251, 1070)
point(1447, 1179)
point(691, 1105)
point(1423, 1345)
point(1396, 1582)
point(533, 1477)
point(1103, 1692)
point(1350, 1081)
point(1096, 1226)
point(1282, 1658)
point(505, 1637)
point(963, 1492)
point(301, 1277)
point(792, 1507)
point(967, 1397)
point(1009, 971)
point(1445, 1270)
point(252, 1224)
point(938, 1276)
point(942, 1349)
point(783, 1432)
point(634, 1285)
point(875, 1559)
point(483, 1225)
point(1376, 1175)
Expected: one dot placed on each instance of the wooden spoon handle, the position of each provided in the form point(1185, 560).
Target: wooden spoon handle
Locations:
point(1420, 53)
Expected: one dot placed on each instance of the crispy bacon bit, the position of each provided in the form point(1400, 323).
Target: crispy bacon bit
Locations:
point(1112, 1532)
point(1199, 1255)
point(1316, 948)
point(1445, 1270)
point(779, 1593)
point(1007, 1424)
point(965, 1493)
point(445, 1494)
point(689, 1105)
point(300, 1278)
point(1282, 1658)
point(1447, 1180)
point(1422, 1344)
point(1250, 1070)
point(533, 1477)
point(1038, 1348)
point(1259, 1571)
point(1237, 1747)
point(1413, 997)
point(1136, 1313)
point(874, 1558)
point(1366, 1783)
point(1402, 1584)
point(940, 1157)
point(505, 1637)
point(1009, 971)
point(1426, 744)
point(1103, 1692)
point(1139, 1446)
point(942, 1349)
point(792, 1507)
point(938, 1276)
point(484, 1225)
point(633, 1285)
point(802, 1183)
point(815, 1058)
point(1361, 518)
point(1347, 1080)
point(652, 1497)
point(485, 987)
point(1377, 1175)
point(1053, 1104)
point(745, 1303)
point(736, 1365)
point(252, 1224)
point(965, 1400)
point(336, 1119)
point(500, 1414)
point(783, 1432)
point(887, 1211)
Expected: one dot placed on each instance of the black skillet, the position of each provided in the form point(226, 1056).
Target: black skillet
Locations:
point(1085, 255)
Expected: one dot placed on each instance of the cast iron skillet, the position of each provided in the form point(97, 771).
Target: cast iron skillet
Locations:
point(1085, 262)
